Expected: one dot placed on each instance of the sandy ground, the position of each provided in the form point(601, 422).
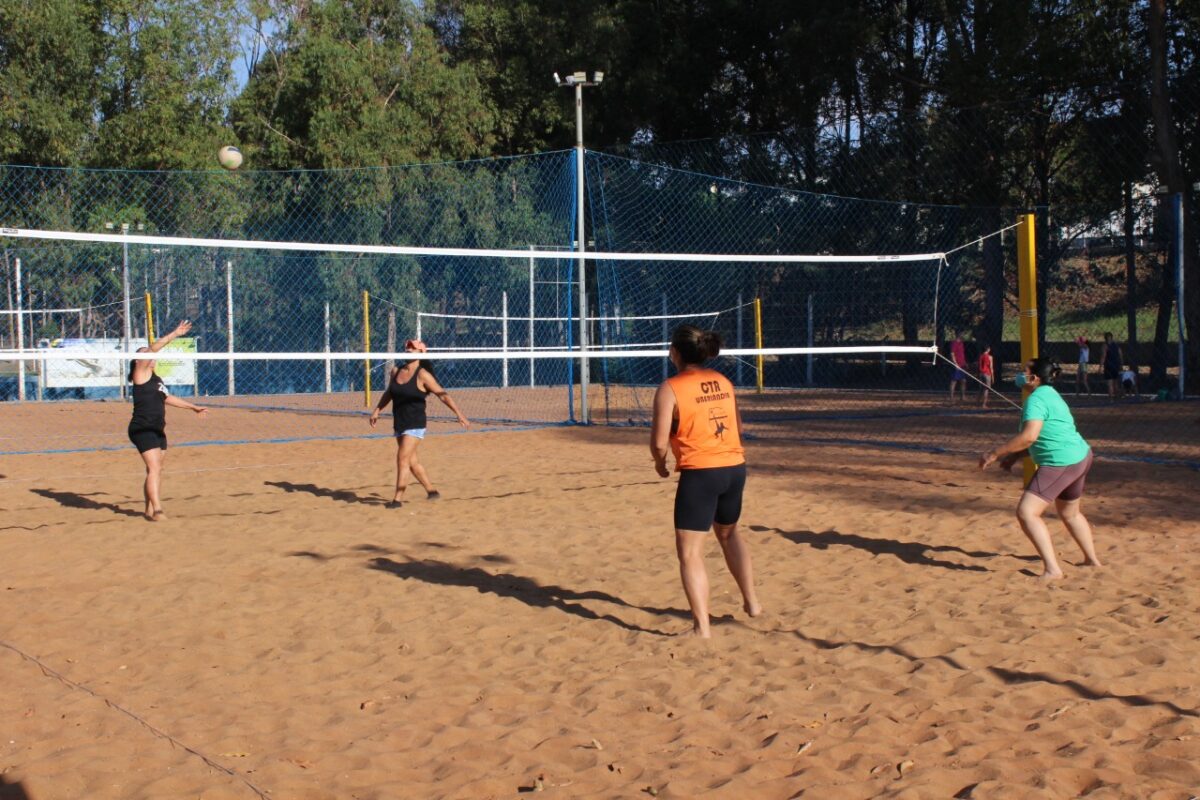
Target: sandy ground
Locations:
point(286, 635)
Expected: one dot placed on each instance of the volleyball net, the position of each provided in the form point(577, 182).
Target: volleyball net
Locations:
point(294, 340)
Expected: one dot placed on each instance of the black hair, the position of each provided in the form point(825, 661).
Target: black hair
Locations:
point(695, 346)
point(1045, 369)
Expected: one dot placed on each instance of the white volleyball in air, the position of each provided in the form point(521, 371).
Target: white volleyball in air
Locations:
point(229, 157)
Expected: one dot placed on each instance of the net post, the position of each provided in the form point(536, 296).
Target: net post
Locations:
point(504, 335)
point(366, 348)
point(758, 340)
point(149, 320)
point(1027, 298)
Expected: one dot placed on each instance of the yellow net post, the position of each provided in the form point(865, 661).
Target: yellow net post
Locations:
point(1027, 303)
point(149, 320)
point(758, 340)
point(367, 349)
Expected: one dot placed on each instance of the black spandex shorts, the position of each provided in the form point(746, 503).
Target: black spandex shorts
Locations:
point(705, 496)
point(148, 439)
point(1112, 373)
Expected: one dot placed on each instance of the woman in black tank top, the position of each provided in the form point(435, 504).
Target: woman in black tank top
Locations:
point(408, 387)
point(147, 428)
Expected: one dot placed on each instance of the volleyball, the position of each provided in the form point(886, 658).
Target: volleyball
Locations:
point(230, 157)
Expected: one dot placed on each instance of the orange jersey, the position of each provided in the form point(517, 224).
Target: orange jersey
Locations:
point(706, 434)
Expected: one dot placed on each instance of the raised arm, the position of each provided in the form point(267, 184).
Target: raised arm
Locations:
point(432, 386)
point(180, 330)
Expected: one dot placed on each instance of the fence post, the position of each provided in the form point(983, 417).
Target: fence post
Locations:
point(1177, 213)
point(229, 347)
point(328, 363)
point(808, 367)
point(20, 335)
point(504, 335)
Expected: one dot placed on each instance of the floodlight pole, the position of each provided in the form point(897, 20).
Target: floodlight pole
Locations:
point(578, 80)
point(126, 307)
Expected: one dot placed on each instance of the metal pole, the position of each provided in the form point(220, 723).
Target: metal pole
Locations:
point(532, 360)
point(20, 336)
point(125, 290)
point(664, 334)
point(582, 271)
point(739, 338)
point(229, 321)
point(808, 367)
point(1177, 209)
point(328, 363)
point(504, 335)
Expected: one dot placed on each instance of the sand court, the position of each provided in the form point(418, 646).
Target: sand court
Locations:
point(285, 634)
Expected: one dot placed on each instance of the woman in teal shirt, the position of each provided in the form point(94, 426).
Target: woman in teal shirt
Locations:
point(1063, 458)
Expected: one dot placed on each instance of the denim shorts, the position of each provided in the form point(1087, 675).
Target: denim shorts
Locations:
point(416, 433)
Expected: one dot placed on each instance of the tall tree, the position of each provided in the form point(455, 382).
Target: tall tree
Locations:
point(50, 56)
point(166, 81)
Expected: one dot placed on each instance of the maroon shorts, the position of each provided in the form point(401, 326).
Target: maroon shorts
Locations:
point(1061, 483)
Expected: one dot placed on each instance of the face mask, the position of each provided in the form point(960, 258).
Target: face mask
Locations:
point(1020, 380)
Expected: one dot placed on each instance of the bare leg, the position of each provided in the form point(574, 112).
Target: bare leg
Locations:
point(689, 545)
point(406, 448)
point(1079, 528)
point(1029, 514)
point(154, 462)
point(418, 472)
point(737, 558)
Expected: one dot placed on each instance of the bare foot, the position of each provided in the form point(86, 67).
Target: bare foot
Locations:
point(702, 633)
point(1091, 562)
point(156, 516)
point(434, 495)
point(1048, 577)
point(754, 609)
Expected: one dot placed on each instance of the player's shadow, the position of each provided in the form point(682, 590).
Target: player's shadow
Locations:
point(517, 587)
point(341, 495)
point(908, 552)
point(77, 500)
point(12, 791)
point(1008, 676)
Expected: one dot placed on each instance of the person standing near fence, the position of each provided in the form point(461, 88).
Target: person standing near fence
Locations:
point(1063, 457)
point(696, 418)
point(1112, 360)
point(408, 387)
point(986, 373)
point(958, 354)
point(147, 427)
point(1081, 374)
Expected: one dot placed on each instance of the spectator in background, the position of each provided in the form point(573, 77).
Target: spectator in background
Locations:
point(1111, 359)
point(986, 373)
point(958, 354)
point(1081, 374)
point(1129, 381)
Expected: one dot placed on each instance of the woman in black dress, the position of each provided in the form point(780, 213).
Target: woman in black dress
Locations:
point(147, 429)
point(408, 387)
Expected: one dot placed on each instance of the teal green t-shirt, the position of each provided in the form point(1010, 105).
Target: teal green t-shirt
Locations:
point(1059, 444)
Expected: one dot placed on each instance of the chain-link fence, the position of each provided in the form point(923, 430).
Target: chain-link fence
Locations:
point(315, 301)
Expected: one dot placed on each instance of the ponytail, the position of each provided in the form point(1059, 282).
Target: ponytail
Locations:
point(695, 346)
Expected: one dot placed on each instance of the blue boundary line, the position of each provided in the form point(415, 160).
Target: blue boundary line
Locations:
point(285, 440)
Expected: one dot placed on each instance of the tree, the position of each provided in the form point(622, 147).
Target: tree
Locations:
point(50, 54)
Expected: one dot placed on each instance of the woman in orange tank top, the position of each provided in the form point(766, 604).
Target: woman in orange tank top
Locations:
point(696, 418)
